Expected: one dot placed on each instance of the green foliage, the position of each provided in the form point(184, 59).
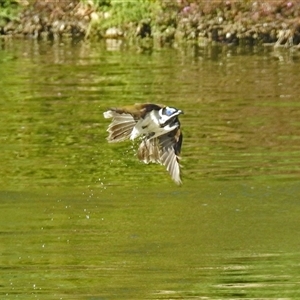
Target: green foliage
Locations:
point(5, 3)
point(121, 13)
point(8, 10)
point(131, 11)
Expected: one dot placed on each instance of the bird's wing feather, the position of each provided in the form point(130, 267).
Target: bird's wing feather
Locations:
point(170, 161)
point(164, 149)
point(149, 151)
point(121, 126)
point(170, 145)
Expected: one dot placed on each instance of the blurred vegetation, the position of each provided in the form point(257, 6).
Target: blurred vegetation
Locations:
point(8, 10)
point(199, 21)
point(116, 18)
point(124, 12)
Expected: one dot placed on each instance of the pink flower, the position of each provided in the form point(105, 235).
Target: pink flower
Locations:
point(186, 9)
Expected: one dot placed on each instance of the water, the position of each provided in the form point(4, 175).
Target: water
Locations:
point(83, 219)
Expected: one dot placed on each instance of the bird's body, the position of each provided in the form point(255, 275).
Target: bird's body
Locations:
point(159, 128)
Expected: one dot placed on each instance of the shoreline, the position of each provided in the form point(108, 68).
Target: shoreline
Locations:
point(269, 23)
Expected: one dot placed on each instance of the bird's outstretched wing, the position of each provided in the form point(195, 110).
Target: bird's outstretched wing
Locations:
point(164, 149)
point(121, 126)
point(170, 147)
point(125, 118)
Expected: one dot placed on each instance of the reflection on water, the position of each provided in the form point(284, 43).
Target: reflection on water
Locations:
point(241, 112)
point(83, 219)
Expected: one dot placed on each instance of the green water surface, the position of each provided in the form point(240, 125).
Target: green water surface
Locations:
point(84, 219)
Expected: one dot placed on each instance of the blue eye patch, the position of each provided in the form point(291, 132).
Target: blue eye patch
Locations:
point(170, 111)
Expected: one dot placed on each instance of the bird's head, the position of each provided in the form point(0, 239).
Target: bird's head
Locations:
point(168, 115)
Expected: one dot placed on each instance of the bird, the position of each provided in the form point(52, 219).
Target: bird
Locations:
point(158, 129)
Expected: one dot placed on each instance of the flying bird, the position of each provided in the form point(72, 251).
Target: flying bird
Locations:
point(157, 127)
